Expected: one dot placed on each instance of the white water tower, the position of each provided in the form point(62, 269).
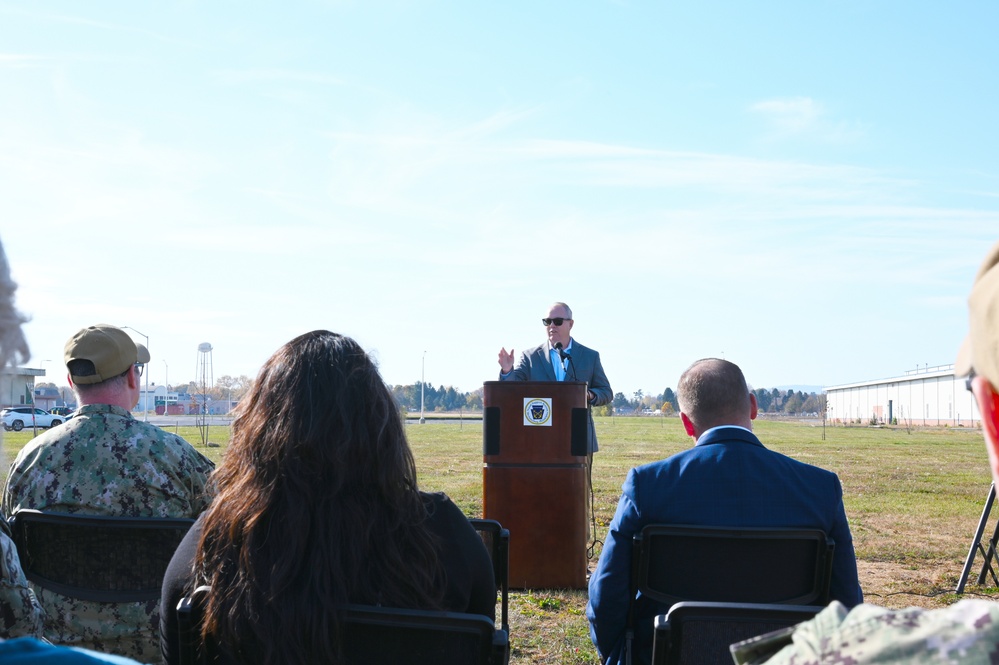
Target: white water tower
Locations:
point(204, 377)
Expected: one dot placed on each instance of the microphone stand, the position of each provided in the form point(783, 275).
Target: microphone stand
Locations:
point(563, 355)
point(589, 457)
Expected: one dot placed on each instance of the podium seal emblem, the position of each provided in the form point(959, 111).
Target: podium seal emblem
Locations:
point(538, 411)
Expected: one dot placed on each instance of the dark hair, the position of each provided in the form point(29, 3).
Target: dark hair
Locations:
point(316, 505)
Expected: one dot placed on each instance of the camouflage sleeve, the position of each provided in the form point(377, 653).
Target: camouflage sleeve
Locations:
point(966, 632)
point(199, 469)
point(5, 507)
point(20, 613)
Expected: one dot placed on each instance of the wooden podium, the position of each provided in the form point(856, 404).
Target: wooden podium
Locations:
point(534, 478)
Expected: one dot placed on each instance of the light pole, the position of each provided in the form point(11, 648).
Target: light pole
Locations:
point(423, 387)
point(42, 363)
point(166, 395)
point(145, 398)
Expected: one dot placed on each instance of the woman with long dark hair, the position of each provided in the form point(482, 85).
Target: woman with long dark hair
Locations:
point(316, 505)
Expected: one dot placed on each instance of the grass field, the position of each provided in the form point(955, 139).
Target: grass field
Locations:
point(913, 500)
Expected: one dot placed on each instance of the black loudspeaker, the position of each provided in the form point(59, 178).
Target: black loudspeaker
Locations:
point(580, 431)
point(491, 431)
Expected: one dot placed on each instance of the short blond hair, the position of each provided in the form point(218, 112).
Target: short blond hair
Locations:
point(713, 392)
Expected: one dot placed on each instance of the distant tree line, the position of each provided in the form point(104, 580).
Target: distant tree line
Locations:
point(769, 400)
point(436, 399)
point(448, 398)
point(789, 401)
point(226, 388)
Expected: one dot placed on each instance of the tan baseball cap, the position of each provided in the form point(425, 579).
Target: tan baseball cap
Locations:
point(109, 348)
point(980, 350)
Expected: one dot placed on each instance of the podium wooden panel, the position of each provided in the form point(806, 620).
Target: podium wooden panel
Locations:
point(534, 479)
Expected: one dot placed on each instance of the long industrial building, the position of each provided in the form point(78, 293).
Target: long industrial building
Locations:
point(923, 396)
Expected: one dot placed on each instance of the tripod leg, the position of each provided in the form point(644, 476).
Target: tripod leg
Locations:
point(976, 543)
point(988, 557)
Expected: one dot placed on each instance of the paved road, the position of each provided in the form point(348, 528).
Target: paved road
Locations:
point(183, 421)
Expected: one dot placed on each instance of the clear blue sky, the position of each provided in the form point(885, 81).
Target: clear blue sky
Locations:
point(806, 189)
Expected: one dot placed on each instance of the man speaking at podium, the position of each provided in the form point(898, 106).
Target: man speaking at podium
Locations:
point(561, 358)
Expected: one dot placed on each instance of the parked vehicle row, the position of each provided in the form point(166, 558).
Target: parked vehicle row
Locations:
point(18, 417)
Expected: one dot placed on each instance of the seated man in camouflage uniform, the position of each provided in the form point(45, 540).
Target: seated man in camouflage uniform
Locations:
point(105, 462)
point(20, 613)
point(965, 632)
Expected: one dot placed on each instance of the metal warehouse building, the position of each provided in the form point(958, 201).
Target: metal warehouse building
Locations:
point(923, 396)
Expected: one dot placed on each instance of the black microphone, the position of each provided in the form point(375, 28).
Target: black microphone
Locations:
point(563, 355)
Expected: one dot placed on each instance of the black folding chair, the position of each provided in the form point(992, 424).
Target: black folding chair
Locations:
point(373, 636)
point(96, 558)
point(695, 633)
point(676, 563)
point(497, 541)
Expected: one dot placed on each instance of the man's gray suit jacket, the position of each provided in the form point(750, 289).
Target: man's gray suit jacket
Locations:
point(536, 365)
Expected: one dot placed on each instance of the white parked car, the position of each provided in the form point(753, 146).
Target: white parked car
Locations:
point(19, 417)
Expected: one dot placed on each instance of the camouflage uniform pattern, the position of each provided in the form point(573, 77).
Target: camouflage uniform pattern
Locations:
point(105, 462)
point(20, 613)
point(966, 632)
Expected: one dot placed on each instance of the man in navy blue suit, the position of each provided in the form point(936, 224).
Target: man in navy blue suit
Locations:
point(727, 479)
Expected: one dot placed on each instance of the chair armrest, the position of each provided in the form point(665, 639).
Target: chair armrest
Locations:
point(661, 640)
point(190, 615)
point(186, 640)
point(501, 648)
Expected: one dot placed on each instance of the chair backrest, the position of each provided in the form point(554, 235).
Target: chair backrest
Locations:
point(374, 635)
point(733, 564)
point(497, 541)
point(96, 558)
point(695, 633)
point(676, 563)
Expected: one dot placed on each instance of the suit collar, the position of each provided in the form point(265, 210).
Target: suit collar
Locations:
point(543, 354)
point(727, 434)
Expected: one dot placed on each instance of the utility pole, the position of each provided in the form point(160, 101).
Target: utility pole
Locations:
point(145, 398)
point(423, 378)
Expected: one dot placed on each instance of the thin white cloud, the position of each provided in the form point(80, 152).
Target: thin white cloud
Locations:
point(554, 149)
point(494, 123)
point(274, 74)
point(20, 60)
point(804, 116)
point(90, 23)
point(368, 165)
point(796, 114)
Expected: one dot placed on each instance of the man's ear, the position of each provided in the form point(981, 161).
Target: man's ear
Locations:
point(70, 379)
point(688, 425)
point(754, 407)
point(988, 407)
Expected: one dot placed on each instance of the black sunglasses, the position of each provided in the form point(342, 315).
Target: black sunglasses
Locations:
point(967, 381)
point(138, 369)
point(557, 321)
